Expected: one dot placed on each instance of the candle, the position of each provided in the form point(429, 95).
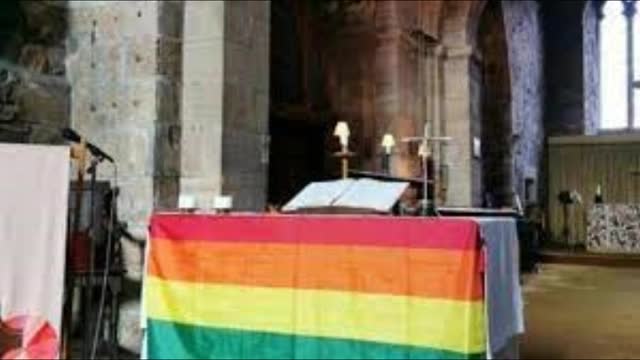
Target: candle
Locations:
point(342, 132)
point(388, 142)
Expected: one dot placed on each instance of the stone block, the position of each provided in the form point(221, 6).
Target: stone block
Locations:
point(135, 203)
point(237, 59)
point(169, 58)
point(241, 149)
point(168, 97)
point(139, 18)
point(167, 150)
point(166, 191)
point(131, 147)
point(201, 151)
point(204, 188)
point(237, 107)
point(129, 331)
point(136, 102)
point(171, 18)
point(140, 59)
point(204, 20)
point(202, 102)
point(203, 60)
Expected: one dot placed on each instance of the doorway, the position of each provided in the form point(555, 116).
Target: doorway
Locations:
point(496, 141)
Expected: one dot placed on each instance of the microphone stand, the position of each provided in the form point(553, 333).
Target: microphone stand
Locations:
point(88, 308)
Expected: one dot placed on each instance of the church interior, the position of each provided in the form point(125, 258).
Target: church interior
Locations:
point(519, 110)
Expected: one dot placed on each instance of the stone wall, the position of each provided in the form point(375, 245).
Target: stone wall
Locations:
point(526, 55)
point(34, 91)
point(383, 85)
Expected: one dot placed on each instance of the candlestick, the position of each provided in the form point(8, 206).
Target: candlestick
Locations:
point(342, 132)
point(388, 142)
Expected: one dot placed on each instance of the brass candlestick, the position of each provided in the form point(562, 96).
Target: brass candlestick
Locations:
point(342, 132)
point(344, 156)
point(388, 142)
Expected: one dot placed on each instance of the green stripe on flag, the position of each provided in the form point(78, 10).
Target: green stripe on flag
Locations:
point(167, 340)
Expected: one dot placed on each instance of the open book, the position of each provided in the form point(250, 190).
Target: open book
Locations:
point(348, 196)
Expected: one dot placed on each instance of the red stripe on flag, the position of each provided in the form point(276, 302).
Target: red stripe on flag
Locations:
point(319, 229)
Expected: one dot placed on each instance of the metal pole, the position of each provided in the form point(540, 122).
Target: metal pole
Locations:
point(425, 182)
point(345, 167)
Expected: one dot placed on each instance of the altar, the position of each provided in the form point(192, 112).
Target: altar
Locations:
point(330, 286)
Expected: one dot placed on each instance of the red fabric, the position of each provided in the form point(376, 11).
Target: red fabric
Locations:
point(453, 234)
point(39, 340)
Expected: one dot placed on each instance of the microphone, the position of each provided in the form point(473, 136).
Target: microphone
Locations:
point(70, 135)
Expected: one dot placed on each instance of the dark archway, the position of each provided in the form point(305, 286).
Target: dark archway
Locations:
point(298, 127)
point(495, 109)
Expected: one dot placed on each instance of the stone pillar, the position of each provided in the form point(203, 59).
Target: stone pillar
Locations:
point(123, 64)
point(202, 94)
point(457, 124)
point(386, 118)
point(591, 60)
point(435, 106)
point(168, 147)
point(245, 151)
point(225, 102)
point(113, 70)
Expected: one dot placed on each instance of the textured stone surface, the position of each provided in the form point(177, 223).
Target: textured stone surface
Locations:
point(496, 117)
point(33, 89)
point(245, 107)
point(591, 56)
point(168, 126)
point(565, 69)
point(202, 96)
point(125, 69)
point(112, 68)
point(526, 54)
point(457, 124)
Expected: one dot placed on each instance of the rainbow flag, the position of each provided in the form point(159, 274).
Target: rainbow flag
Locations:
point(299, 287)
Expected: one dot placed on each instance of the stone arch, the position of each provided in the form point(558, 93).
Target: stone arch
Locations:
point(492, 122)
point(458, 27)
point(459, 22)
point(459, 37)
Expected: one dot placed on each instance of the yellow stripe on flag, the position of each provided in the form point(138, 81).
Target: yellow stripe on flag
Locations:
point(434, 323)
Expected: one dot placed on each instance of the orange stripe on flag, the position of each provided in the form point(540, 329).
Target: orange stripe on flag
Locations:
point(434, 273)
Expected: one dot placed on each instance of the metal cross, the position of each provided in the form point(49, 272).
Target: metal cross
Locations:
point(425, 143)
